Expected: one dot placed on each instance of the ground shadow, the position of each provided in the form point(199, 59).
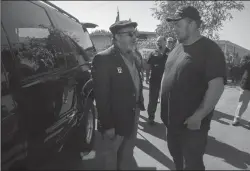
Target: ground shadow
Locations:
point(231, 155)
point(217, 116)
point(158, 129)
point(65, 160)
point(97, 162)
point(151, 150)
point(145, 88)
point(143, 145)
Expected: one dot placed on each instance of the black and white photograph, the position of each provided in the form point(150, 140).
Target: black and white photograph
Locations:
point(125, 85)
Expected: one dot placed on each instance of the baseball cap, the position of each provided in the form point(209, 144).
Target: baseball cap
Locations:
point(185, 12)
point(114, 28)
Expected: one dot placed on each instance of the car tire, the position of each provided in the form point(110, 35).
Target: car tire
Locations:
point(83, 136)
point(87, 124)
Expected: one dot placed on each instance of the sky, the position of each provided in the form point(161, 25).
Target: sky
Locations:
point(103, 13)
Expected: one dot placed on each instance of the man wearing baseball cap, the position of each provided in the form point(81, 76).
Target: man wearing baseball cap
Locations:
point(118, 94)
point(192, 84)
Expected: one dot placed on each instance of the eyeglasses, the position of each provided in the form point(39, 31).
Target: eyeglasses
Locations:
point(130, 33)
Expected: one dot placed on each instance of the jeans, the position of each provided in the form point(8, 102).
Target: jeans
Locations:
point(187, 148)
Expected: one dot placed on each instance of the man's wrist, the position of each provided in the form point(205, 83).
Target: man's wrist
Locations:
point(198, 114)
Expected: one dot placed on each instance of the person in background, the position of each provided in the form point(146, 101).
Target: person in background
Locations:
point(146, 67)
point(244, 92)
point(139, 61)
point(192, 84)
point(156, 60)
point(118, 94)
point(170, 43)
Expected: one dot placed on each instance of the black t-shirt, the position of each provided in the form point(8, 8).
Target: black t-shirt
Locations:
point(187, 79)
point(157, 62)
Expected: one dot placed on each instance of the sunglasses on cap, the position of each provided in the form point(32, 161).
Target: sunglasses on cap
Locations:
point(129, 33)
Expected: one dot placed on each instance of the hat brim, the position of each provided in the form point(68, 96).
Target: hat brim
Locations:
point(116, 28)
point(133, 24)
point(173, 19)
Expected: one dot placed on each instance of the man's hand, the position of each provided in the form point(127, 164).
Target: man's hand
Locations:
point(212, 96)
point(193, 122)
point(110, 133)
point(116, 140)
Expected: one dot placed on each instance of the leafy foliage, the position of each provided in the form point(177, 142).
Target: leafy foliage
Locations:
point(213, 14)
point(100, 31)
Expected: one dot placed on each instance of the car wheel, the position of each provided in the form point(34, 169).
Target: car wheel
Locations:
point(85, 132)
point(89, 124)
point(83, 136)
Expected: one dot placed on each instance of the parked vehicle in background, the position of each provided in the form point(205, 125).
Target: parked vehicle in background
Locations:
point(45, 56)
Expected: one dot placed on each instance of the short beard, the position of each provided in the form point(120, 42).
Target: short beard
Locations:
point(124, 49)
point(181, 40)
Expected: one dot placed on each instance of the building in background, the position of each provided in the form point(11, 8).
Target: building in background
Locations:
point(103, 39)
point(232, 52)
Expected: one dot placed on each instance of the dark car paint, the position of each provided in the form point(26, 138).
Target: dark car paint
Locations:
point(37, 122)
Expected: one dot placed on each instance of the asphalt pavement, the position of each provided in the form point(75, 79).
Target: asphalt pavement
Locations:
point(228, 146)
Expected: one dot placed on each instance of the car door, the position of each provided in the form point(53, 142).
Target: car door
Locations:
point(13, 138)
point(41, 72)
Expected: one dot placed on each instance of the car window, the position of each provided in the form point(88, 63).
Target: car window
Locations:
point(73, 29)
point(35, 44)
point(71, 52)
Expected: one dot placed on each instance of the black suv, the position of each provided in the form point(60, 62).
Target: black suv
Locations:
point(47, 101)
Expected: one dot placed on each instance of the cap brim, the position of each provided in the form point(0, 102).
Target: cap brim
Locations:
point(115, 28)
point(133, 24)
point(173, 19)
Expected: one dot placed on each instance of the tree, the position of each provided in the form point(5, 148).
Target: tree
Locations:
point(213, 14)
point(100, 31)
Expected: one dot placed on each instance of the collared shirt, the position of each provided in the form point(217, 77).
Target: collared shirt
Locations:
point(134, 74)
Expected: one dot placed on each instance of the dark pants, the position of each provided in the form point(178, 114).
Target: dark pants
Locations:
point(187, 148)
point(147, 71)
point(154, 89)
